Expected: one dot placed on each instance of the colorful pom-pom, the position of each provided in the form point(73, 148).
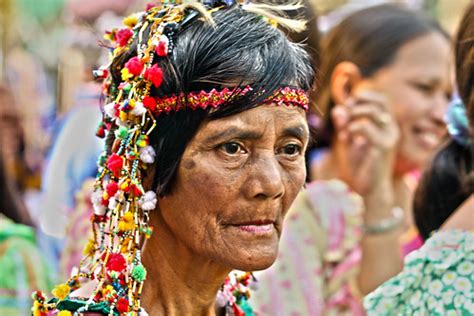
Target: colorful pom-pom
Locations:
point(154, 74)
point(123, 36)
point(61, 291)
point(110, 109)
point(138, 109)
point(115, 164)
point(139, 273)
point(125, 74)
point(130, 20)
point(122, 305)
point(121, 132)
point(89, 248)
point(64, 313)
point(149, 103)
point(148, 201)
point(136, 189)
point(96, 199)
point(111, 188)
point(147, 154)
point(162, 47)
point(116, 262)
point(126, 223)
point(134, 66)
point(142, 141)
point(150, 5)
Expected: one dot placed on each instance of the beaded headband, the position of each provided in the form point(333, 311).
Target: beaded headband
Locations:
point(112, 266)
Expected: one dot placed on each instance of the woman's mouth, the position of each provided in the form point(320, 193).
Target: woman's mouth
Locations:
point(426, 138)
point(258, 227)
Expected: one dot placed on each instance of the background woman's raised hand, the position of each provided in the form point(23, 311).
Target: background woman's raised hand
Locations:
point(368, 136)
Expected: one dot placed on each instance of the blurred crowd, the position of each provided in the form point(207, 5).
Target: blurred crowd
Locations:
point(385, 80)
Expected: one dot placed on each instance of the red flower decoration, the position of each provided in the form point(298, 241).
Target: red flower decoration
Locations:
point(162, 47)
point(150, 5)
point(122, 36)
point(154, 74)
point(122, 305)
point(115, 164)
point(111, 188)
point(149, 103)
point(136, 191)
point(116, 262)
point(134, 66)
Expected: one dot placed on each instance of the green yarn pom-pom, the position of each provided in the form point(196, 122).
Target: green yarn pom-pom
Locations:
point(139, 273)
point(122, 132)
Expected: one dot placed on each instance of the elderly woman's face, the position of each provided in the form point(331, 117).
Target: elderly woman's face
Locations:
point(236, 180)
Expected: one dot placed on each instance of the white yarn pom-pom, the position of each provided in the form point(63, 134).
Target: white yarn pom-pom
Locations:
point(147, 154)
point(148, 201)
point(138, 109)
point(96, 199)
point(110, 110)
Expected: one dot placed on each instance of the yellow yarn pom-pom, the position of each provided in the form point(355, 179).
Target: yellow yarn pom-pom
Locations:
point(126, 223)
point(130, 20)
point(61, 291)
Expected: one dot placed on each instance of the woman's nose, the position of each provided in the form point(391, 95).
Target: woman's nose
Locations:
point(265, 178)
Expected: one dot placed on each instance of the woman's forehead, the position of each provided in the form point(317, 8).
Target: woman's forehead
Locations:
point(257, 121)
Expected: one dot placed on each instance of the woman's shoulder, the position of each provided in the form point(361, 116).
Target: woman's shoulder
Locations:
point(333, 213)
point(11, 231)
point(437, 279)
point(329, 196)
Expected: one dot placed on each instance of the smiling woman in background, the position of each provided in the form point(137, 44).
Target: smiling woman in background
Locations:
point(384, 88)
point(438, 279)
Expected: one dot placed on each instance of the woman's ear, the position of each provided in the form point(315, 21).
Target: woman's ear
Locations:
point(344, 78)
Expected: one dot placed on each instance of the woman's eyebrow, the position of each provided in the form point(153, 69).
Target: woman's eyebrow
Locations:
point(234, 132)
point(298, 131)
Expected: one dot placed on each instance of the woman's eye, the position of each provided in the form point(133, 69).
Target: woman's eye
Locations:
point(231, 148)
point(423, 87)
point(291, 150)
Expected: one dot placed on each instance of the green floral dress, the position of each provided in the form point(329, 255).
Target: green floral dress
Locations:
point(22, 268)
point(438, 279)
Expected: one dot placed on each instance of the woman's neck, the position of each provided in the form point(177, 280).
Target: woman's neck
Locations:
point(179, 282)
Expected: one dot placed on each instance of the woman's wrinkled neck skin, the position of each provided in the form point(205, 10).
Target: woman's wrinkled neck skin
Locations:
point(178, 282)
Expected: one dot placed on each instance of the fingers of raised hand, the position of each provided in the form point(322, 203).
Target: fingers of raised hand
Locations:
point(371, 112)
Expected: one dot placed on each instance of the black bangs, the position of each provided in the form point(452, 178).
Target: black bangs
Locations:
point(241, 49)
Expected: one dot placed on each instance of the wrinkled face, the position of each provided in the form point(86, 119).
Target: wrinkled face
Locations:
point(236, 180)
point(418, 85)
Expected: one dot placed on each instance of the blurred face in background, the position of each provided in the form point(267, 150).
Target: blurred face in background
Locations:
point(418, 86)
point(10, 130)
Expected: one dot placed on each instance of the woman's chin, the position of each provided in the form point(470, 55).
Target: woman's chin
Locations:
point(254, 260)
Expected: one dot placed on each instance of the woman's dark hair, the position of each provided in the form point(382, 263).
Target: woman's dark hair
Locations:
point(369, 38)
point(240, 49)
point(449, 180)
point(464, 52)
point(11, 204)
point(444, 186)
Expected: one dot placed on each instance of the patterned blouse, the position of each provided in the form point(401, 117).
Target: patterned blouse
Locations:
point(437, 280)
